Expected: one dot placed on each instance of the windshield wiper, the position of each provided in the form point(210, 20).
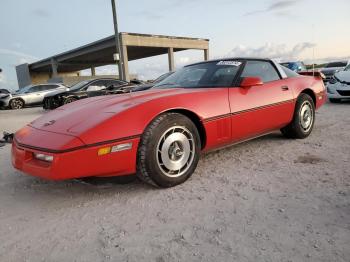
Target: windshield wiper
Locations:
point(167, 84)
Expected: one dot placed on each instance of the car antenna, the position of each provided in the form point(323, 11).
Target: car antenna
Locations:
point(313, 51)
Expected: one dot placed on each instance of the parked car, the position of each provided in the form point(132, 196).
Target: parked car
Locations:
point(85, 89)
point(338, 87)
point(295, 66)
point(4, 92)
point(159, 133)
point(331, 68)
point(146, 86)
point(30, 95)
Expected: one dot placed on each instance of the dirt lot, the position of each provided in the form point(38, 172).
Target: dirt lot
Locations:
point(269, 199)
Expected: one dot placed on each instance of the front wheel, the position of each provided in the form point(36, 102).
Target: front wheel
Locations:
point(303, 119)
point(169, 150)
point(69, 100)
point(16, 104)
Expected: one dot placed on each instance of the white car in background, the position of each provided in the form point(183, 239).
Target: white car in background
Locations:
point(338, 87)
point(30, 95)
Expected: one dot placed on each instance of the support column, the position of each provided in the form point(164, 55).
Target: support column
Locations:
point(93, 72)
point(171, 59)
point(54, 68)
point(125, 63)
point(206, 54)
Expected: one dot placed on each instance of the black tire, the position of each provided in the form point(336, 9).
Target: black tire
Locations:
point(295, 129)
point(16, 103)
point(69, 100)
point(150, 165)
point(334, 100)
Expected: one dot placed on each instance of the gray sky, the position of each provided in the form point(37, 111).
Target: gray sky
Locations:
point(285, 29)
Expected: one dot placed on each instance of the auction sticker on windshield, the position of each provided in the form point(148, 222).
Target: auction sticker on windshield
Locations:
point(233, 63)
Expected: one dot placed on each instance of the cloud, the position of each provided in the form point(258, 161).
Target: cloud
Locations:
point(279, 7)
point(40, 13)
point(9, 52)
point(274, 51)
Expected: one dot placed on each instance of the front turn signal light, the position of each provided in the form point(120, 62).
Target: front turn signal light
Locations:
point(104, 151)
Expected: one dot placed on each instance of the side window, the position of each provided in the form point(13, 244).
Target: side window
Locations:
point(115, 83)
point(224, 76)
point(50, 87)
point(96, 86)
point(262, 69)
point(34, 89)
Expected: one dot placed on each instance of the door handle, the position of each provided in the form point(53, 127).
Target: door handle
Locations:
point(284, 88)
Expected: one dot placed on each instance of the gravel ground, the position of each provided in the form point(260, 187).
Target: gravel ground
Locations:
point(269, 199)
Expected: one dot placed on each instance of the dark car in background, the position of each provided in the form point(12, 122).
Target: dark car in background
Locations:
point(85, 89)
point(295, 66)
point(331, 68)
point(151, 84)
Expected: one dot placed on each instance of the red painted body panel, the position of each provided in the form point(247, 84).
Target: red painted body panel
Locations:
point(78, 163)
point(260, 109)
point(74, 133)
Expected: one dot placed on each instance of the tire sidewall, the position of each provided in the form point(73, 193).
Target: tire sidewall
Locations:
point(301, 99)
point(151, 164)
point(70, 100)
point(19, 100)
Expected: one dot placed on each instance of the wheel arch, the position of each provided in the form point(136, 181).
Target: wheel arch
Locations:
point(194, 118)
point(311, 93)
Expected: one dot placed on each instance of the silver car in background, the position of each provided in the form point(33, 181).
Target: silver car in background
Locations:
point(338, 87)
point(30, 95)
point(331, 68)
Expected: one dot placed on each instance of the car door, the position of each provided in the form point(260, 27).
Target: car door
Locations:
point(39, 94)
point(259, 109)
point(31, 96)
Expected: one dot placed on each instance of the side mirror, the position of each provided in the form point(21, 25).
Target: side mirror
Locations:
point(251, 81)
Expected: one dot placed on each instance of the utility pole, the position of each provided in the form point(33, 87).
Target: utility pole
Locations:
point(117, 42)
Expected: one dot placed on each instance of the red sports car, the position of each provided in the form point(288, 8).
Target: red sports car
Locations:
point(159, 133)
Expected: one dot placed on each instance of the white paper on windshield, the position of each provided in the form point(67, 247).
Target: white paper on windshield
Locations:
point(227, 62)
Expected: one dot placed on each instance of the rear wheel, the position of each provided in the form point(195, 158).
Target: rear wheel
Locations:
point(303, 119)
point(169, 151)
point(16, 104)
point(69, 100)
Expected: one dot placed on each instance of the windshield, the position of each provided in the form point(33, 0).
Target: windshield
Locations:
point(79, 85)
point(162, 77)
point(336, 64)
point(347, 68)
point(211, 74)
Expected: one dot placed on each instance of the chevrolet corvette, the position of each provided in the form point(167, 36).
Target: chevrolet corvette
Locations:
point(158, 134)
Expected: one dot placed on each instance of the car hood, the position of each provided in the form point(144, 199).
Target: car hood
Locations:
point(82, 115)
point(343, 76)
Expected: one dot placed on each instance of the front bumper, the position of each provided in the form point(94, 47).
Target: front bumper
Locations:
point(83, 162)
point(4, 102)
point(338, 91)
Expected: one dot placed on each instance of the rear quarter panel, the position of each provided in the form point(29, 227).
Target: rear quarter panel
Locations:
point(315, 84)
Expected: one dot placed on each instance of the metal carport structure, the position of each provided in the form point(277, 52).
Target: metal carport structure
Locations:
point(102, 52)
